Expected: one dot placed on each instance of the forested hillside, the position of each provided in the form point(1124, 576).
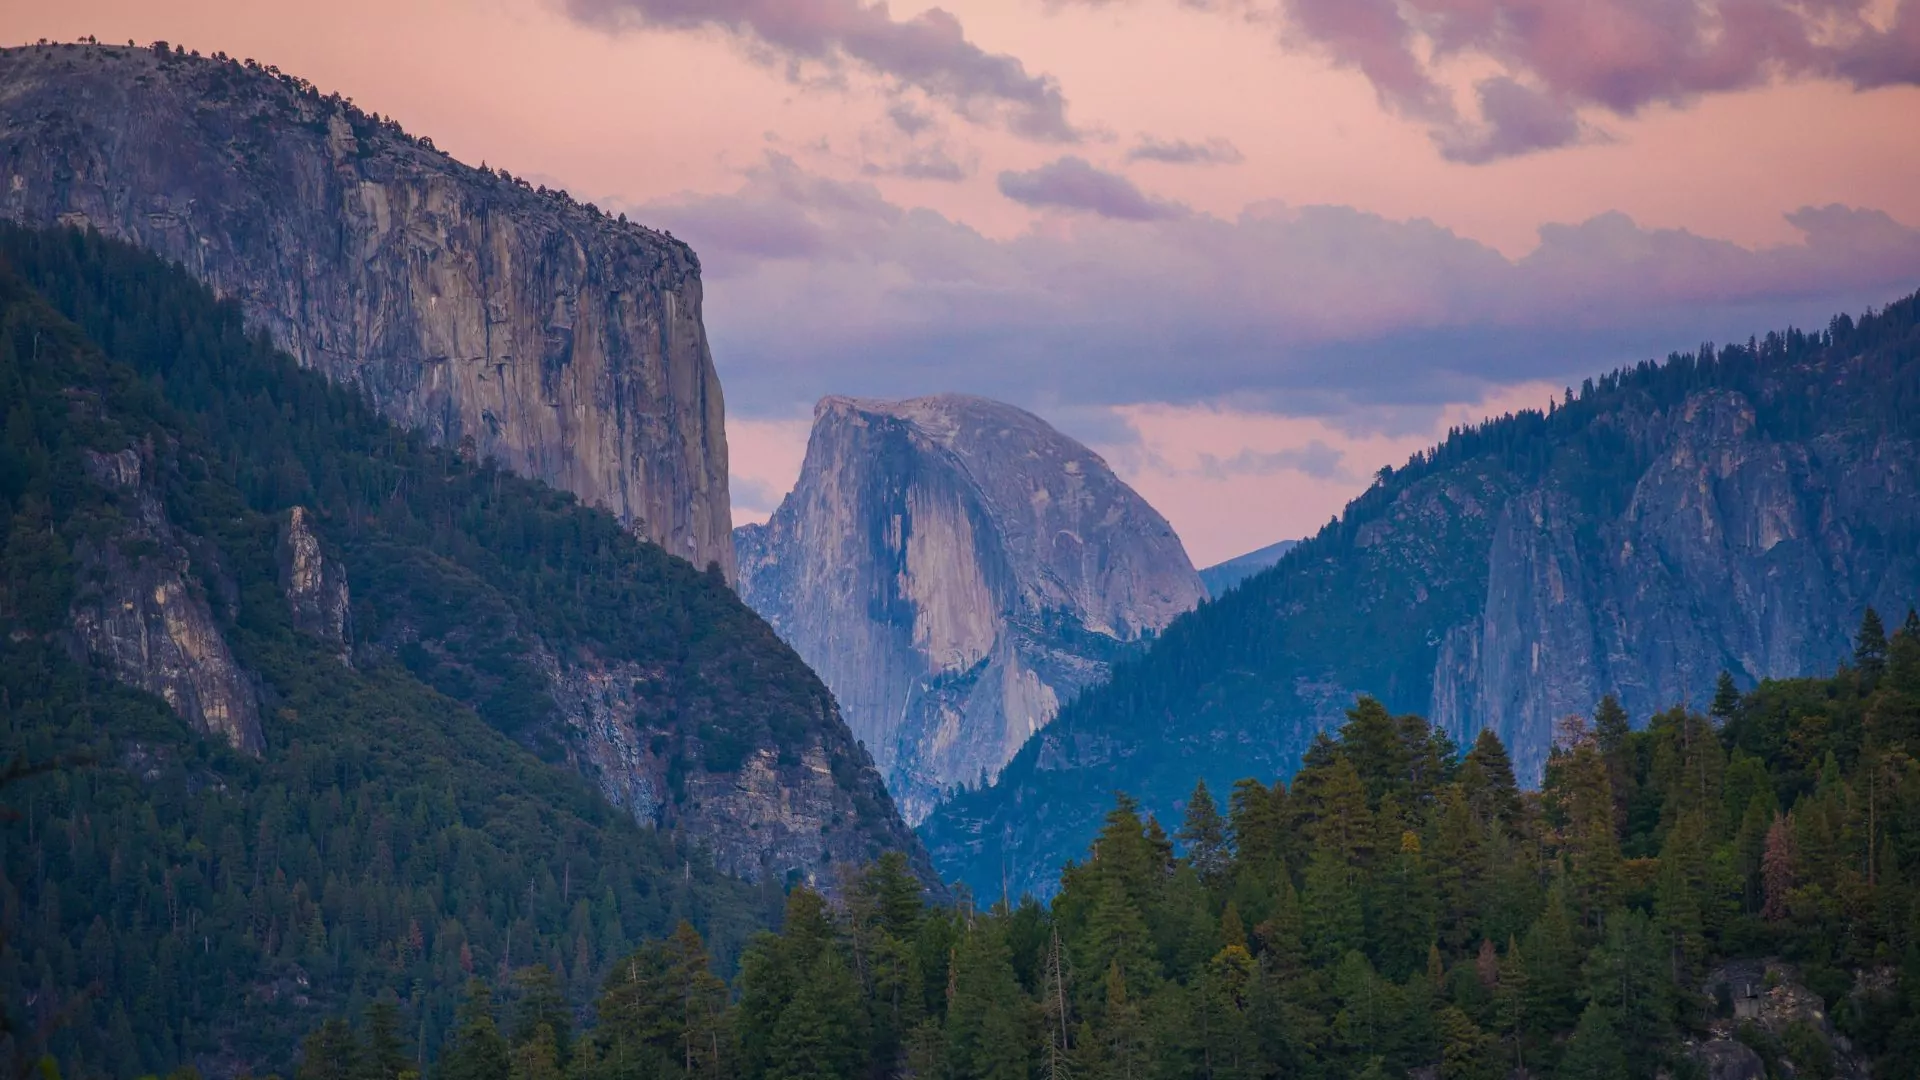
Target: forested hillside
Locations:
point(1734, 509)
point(315, 806)
point(1730, 893)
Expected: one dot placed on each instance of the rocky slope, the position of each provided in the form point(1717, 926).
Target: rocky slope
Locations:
point(955, 569)
point(208, 490)
point(514, 322)
point(1730, 511)
point(1222, 576)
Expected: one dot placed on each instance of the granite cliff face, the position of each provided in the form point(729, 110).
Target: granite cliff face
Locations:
point(955, 570)
point(519, 324)
point(1729, 512)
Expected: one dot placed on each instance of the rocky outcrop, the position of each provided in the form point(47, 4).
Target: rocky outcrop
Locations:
point(763, 810)
point(141, 614)
point(315, 585)
point(1764, 1003)
point(955, 569)
point(510, 322)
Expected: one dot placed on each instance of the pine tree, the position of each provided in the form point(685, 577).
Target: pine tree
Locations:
point(819, 1035)
point(988, 1019)
point(330, 1053)
point(1510, 1003)
point(1726, 698)
point(542, 1004)
point(1466, 1052)
point(1610, 725)
point(475, 1050)
point(1870, 647)
point(1121, 1035)
point(386, 1056)
point(1628, 974)
point(1595, 1052)
point(1205, 837)
point(1487, 782)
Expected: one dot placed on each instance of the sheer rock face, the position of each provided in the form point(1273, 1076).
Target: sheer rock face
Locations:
point(520, 325)
point(143, 616)
point(316, 586)
point(1735, 552)
point(955, 569)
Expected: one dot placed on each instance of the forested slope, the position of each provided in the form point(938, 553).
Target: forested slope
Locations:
point(313, 805)
point(1724, 894)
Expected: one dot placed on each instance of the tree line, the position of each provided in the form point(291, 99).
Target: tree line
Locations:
point(1398, 905)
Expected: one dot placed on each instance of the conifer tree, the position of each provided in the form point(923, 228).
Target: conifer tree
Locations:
point(386, 1056)
point(475, 1050)
point(1486, 779)
point(989, 1017)
point(330, 1053)
point(1595, 1052)
point(1870, 647)
point(1510, 1003)
point(1204, 836)
point(1122, 1032)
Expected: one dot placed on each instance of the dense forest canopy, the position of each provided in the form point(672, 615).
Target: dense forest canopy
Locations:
point(1398, 906)
point(166, 899)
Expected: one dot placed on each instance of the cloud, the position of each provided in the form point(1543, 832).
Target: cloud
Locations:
point(1315, 459)
point(817, 286)
point(1618, 56)
point(909, 120)
point(921, 163)
point(1543, 62)
point(929, 51)
point(1182, 152)
point(1071, 183)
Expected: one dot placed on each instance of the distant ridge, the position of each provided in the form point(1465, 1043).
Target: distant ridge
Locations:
point(1220, 577)
point(1730, 510)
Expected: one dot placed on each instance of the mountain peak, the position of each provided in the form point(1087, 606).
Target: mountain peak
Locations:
point(956, 568)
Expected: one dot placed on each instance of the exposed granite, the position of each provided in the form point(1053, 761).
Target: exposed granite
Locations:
point(316, 586)
point(142, 615)
point(1735, 552)
point(516, 323)
point(955, 569)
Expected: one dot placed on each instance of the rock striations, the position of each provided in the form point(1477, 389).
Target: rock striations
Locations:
point(532, 329)
point(955, 569)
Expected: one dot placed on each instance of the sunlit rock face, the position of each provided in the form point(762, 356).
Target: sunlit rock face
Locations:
point(511, 322)
point(143, 615)
point(955, 569)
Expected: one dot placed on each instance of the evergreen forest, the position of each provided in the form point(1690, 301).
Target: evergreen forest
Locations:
point(166, 900)
point(1398, 909)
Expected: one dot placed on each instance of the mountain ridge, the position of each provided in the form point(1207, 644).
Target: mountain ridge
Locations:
point(1514, 574)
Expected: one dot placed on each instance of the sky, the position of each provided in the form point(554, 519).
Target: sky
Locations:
point(1248, 250)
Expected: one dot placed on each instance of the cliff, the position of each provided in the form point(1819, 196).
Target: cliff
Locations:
point(955, 569)
point(1732, 511)
point(199, 506)
point(512, 322)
